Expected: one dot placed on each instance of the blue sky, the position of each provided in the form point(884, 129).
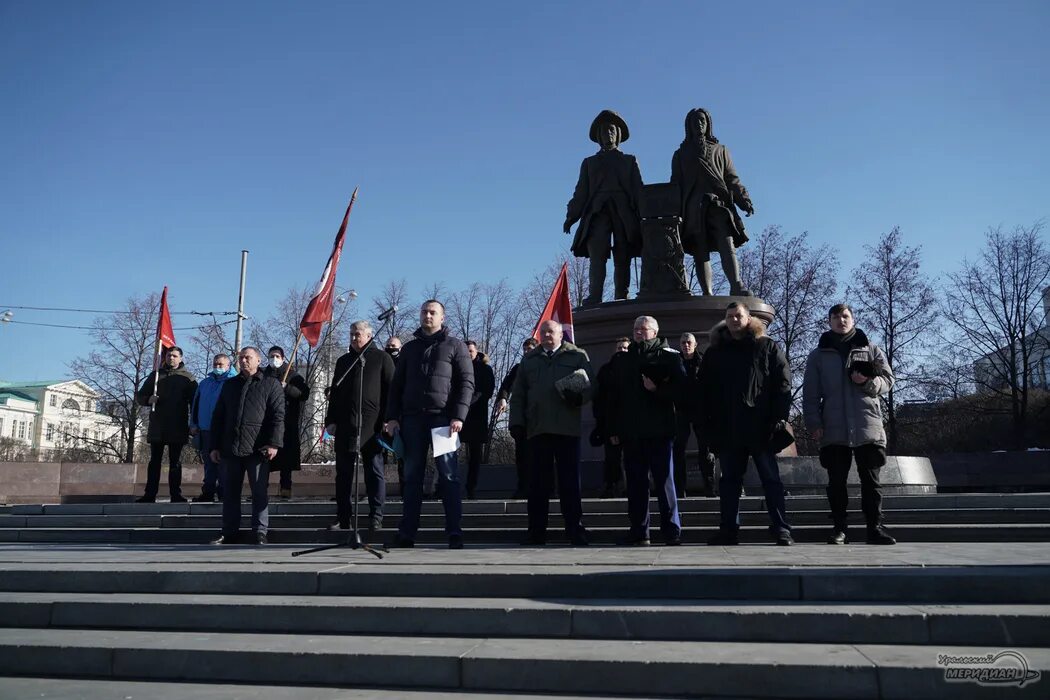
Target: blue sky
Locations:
point(146, 144)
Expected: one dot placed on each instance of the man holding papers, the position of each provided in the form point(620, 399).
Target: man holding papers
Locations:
point(432, 388)
point(553, 382)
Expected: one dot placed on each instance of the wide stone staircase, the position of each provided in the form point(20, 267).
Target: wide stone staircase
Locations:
point(177, 622)
point(1005, 517)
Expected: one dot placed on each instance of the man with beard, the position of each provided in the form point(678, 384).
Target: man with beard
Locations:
point(642, 385)
point(506, 389)
point(711, 192)
point(688, 420)
point(476, 428)
point(169, 422)
point(296, 391)
point(606, 205)
point(745, 389)
point(356, 406)
point(432, 387)
point(845, 376)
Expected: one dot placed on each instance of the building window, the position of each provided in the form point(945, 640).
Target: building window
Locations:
point(1, 427)
point(53, 400)
point(22, 430)
point(70, 405)
point(50, 432)
point(14, 428)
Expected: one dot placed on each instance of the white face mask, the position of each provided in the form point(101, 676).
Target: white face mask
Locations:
point(276, 361)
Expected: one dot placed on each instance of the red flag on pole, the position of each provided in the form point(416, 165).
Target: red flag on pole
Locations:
point(558, 307)
point(319, 310)
point(165, 333)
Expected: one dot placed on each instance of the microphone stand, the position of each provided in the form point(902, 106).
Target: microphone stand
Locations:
point(353, 539)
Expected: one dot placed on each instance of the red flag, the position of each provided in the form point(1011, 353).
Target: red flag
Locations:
point(319, 310)
point(165, 333)
point(558, 307)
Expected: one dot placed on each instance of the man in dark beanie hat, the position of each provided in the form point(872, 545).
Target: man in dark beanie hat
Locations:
point(606, 205)
point(296, 391)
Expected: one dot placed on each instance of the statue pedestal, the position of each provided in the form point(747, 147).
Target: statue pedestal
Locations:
point(595, 328)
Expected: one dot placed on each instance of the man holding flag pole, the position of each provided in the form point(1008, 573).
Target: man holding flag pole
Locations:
point(168, 393)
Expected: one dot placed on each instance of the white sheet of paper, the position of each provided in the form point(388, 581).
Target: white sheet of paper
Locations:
point(444, 440)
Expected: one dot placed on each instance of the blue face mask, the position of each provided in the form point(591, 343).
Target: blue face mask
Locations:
point(219, 372)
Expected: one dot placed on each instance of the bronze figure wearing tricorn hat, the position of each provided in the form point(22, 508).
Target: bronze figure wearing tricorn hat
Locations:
point(606, 205)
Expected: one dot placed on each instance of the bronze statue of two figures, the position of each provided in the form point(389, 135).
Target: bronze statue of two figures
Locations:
point(695, 213)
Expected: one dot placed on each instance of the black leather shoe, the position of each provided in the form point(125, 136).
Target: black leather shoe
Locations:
point(146, 499)
point(260, 538)
point(177, 499)
point(634, 541)
point(336, 526)
point(723, 539)
point(878, 535)
point(455, 541)
point(204, 498)
point(533, 540)
point(375, 525)
point(673, 540)
point(401, 543)
point(784, 539)
point(838, 536)
point(579, 539)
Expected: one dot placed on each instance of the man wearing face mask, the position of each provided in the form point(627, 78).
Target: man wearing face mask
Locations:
point(169, 423)
point(296, 391)
point(200, 425)
point(605, 203)
point(393, 347)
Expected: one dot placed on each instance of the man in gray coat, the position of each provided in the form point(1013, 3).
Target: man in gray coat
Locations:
point(545, 408)
point(845, 376)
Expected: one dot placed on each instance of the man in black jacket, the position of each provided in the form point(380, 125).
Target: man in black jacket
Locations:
point(506, 388)
point(688, 421)
point(432, 387)
point(642, 385)
point(296, 392)
point(476, 428)
point(248, 425)
point(169, 422)
point(356, 406)
point(613, 462)
point(745, 387)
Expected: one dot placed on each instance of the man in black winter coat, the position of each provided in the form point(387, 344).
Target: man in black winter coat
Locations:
point(169, 422)
point(642, 385)
point(613, 454)
point(432, 387)
point(745, 387)
point(476, 428)
point(687, 420)
point(506, 388)
point(296, 392)
point(356, 406)
point(248, 427)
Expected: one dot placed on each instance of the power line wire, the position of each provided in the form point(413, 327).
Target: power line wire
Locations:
point(100, 311)
point(93, 328)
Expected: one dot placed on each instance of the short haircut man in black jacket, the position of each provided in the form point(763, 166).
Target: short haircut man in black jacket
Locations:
point(368, 385)
point(521, 453)
point(248, 425)
point(745, 389)
point(432, 387)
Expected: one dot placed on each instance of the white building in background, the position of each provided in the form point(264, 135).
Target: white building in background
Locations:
point(53, 415)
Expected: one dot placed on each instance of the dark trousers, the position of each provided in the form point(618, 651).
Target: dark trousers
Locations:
point(286, 478)
point(643, 457)
point(734, 466)
point(375, 482)
point(474, 452)
point(156, 454)
point(600, 246)
point(214, 475)
point(415, 433)
point(613, 471)
point(683, 427)
point(521, 464)
point(837, 459)
point(550, 452)
point(257, 468)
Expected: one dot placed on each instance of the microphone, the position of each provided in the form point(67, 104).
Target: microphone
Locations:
point(385, 316)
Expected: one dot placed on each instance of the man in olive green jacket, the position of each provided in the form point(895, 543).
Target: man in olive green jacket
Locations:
point(553, 383)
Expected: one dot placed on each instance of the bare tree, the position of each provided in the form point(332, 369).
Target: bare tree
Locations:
point(210, 340)
point(119, 363)
point(994, 305)
point(895, 300)
point(799, 281)
point(393, 295)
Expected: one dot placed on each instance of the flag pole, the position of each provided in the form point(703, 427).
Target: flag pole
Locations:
point(156, 374)
point(291, 359)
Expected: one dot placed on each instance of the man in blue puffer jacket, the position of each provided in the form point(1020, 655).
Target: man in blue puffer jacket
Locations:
point(200, 414)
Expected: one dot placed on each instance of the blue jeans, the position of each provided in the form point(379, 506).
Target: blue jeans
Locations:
point(257, 468)
point(415, 433)
point(642, 457)
point(547, 451)
point(734, 465)
point(214, 476)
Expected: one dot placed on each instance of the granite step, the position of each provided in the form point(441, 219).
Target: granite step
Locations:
point(502, 665)
point(641, 619)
